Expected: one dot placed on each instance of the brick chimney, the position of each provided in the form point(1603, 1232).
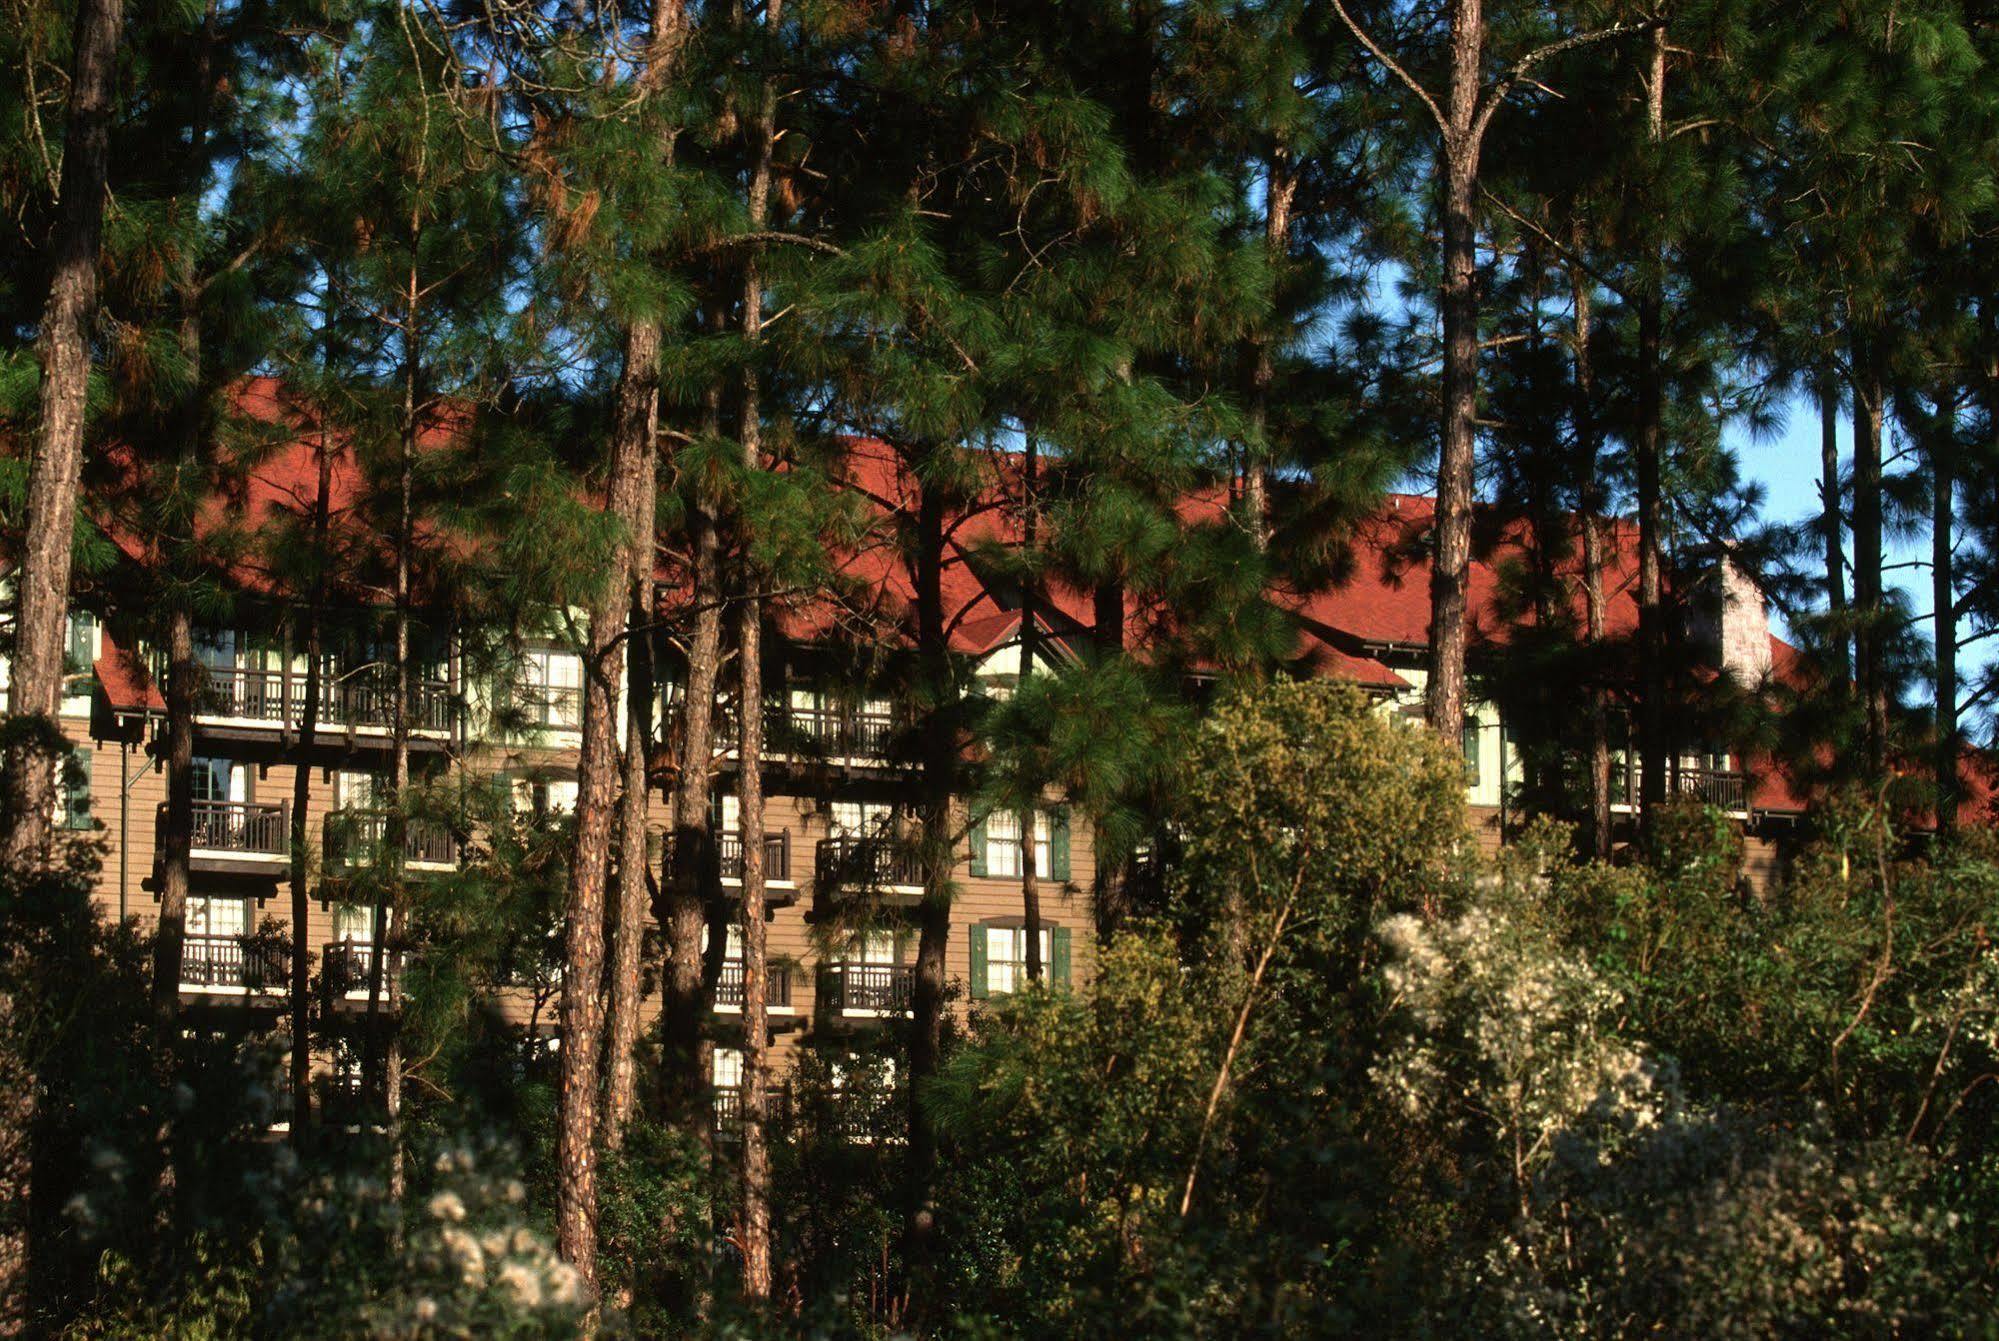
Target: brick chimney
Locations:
point(1729, 614)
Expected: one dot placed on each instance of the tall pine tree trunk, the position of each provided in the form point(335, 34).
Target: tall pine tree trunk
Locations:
point(1648, 448)
point(1281, 185)
point(1444, 695)
point(177, 842)
point(56, 459)
point(1832, 524)
point(756, 1230)
point(690, 880)
point(638, 414)
point(301, 892)
point(582, 1010)
point(1589, 453)
point(1030, 874)
point(1869, 411)
point(1943, 592)
point(934, 914)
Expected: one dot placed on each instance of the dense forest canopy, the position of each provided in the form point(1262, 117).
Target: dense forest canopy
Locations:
point(713, 401)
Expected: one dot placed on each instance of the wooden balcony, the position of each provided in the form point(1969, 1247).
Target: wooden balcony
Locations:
point(353, 838)
point(851, 989)
point(246, 699)
point(835, 734)
point(233, 966)
point(345, 966)
point(1724, 789)
point(780, 888)
point(884, 866)
point(729, 989)
point(234, 837)
point(729, 1108)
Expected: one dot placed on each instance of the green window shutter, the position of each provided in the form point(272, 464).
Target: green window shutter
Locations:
point(1058, 843)
point(979, 873)
point(1058, 955)
point(978, 934)
point(76, 790)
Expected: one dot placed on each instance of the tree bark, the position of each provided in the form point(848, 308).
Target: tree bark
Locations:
point(1281, 185)
point(939, 765)
point(1832, 525)
point(638, 396)
point(1589, 452)
point(56, 460)
point(301, 893)
point(638, 414)
point(756, 1229)
point(1444, 695)
point(176, 843)
point(1943, 592)
point(1869, 410)
point(1648, 448)
point(1030, 874)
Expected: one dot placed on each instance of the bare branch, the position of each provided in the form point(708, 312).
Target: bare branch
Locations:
point(1360, 34)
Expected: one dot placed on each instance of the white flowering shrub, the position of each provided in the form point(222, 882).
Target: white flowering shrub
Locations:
point(1506, 1043)
point(469, 1263)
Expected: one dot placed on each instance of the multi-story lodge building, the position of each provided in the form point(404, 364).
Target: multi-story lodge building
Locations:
point(837, 777)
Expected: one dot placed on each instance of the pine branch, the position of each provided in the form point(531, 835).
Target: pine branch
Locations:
point(1494, 96)
point(1360, 33)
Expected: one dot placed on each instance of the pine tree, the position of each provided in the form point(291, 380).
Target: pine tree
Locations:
point(64, 348)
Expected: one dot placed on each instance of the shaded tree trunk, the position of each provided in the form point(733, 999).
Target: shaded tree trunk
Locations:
point(756, 1231)
point(56, 459)
point(1832, 524)
point(1943, 592)
point(1589, 452)
point(939, 762)
point(301, 894)
point(1444, 695)
point(1648, 449)
point(176, 843)
point(638, 415)
point(1869, 410)
point(1030, 874)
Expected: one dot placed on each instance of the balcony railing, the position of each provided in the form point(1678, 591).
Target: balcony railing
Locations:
point(729, 1107)
point(867, 863)
point(278, 697)
point(249, 828)
point(874, 989)
point(837, 733)
point(1724, 789)
point(347, 964)
point(352, 837)
point(729, 855)
point(729, 987)
point(234, 963)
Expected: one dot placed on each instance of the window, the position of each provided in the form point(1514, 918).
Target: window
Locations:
point(874, 947)
point(1003, 844)
point(74, 788)
point(220, 780)
point(81, 655)
point(726, 1071)
point(555, 688)
point(999, 957)
point(208, 916)
point(1471, 748)
point(356, 791)
point(353, 922)
point(862, 819)
point(996, 845)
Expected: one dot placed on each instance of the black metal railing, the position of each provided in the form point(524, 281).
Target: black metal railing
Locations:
point(353, 836)
point(233, 961)
point(729, 987)
point(345, 966)
point(877, 988)
point(1724, 789)
point(360, 700)
point(867, 863)
point(252, 828)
